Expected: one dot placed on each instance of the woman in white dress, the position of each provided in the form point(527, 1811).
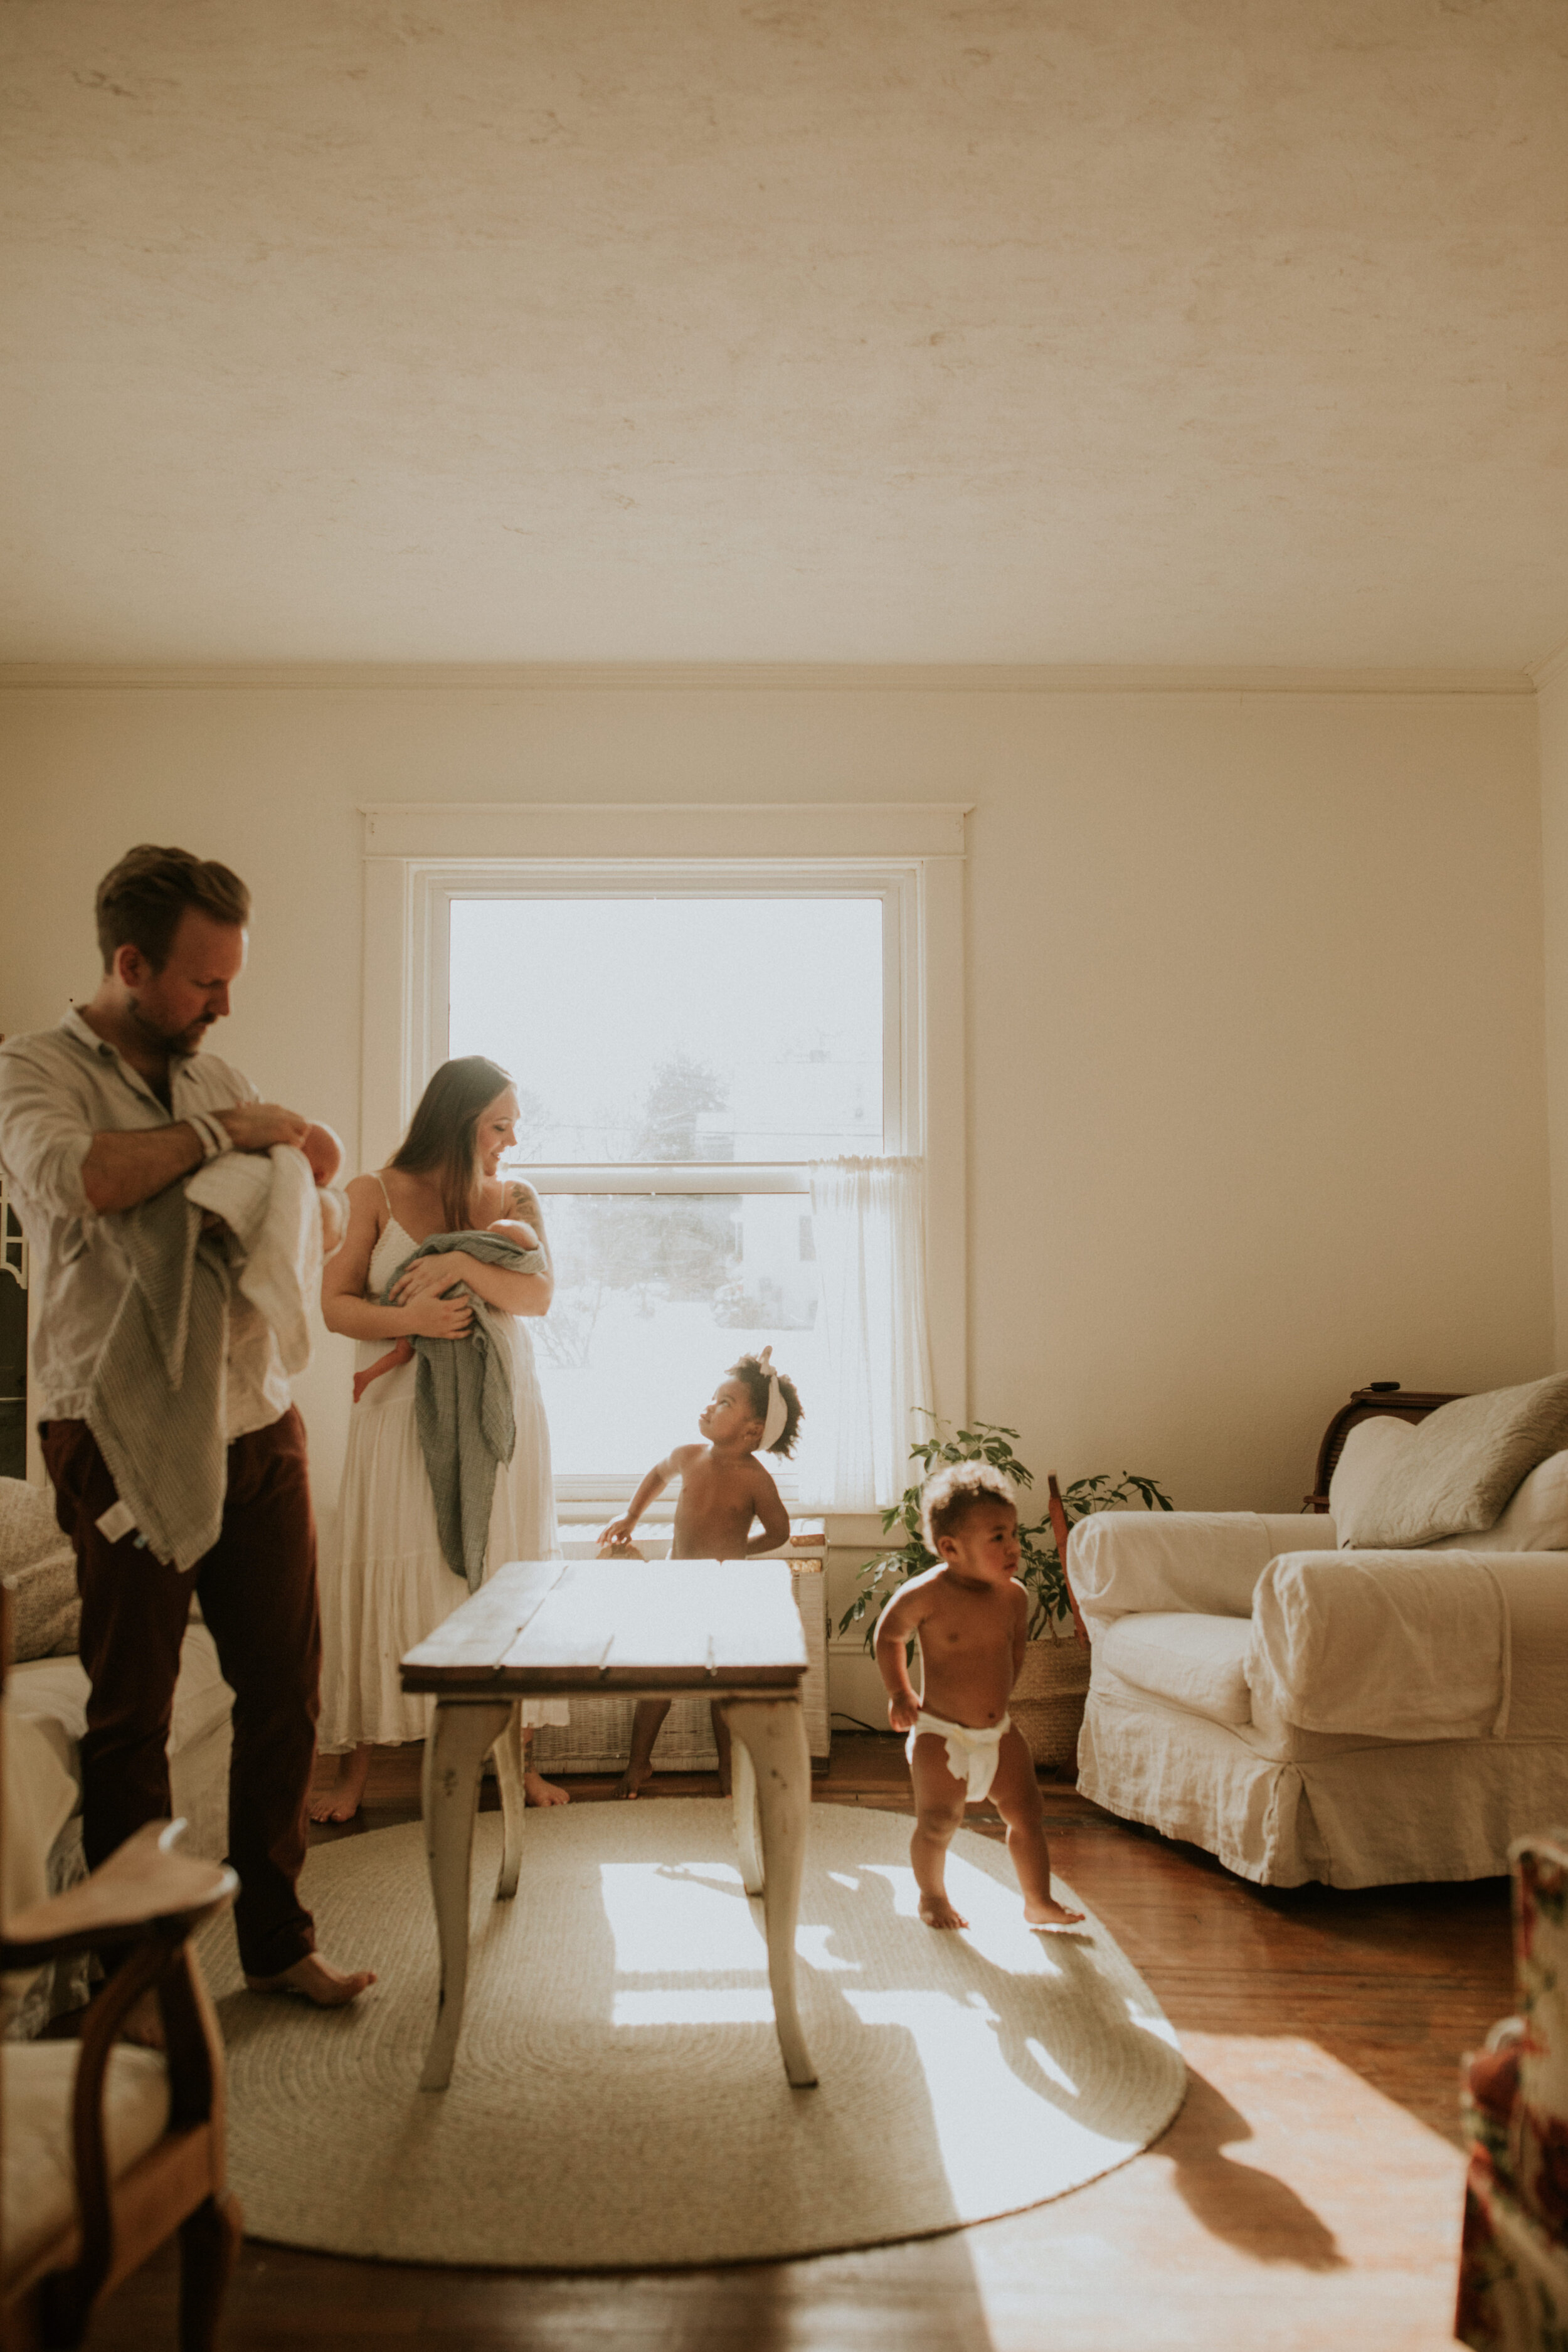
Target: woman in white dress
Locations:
point(391, 1585)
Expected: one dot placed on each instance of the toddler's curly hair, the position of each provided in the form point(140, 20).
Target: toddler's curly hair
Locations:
point(753, 1373)
point(947, 1499)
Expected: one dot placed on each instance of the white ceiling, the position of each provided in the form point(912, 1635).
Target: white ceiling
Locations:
point(1067, 330)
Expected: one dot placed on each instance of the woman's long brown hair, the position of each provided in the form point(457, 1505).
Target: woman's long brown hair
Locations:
point(442, 1134)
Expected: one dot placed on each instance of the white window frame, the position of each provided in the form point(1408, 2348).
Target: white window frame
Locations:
point(419, 857)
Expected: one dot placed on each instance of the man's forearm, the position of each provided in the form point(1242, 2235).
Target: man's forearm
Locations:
point(123, 1168)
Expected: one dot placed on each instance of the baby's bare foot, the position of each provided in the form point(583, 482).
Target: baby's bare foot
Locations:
point(631, 1781)
point(938, 1912)
point(316, 1981)
point(537, 1790)
point(1051, 1916)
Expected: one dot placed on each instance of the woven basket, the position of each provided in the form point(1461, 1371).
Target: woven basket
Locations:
point(1048, 1703)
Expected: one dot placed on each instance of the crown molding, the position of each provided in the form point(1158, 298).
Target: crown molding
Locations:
point(758, 677)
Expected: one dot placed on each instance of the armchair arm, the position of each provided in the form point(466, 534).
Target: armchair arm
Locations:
point(146, 1890)
point(1210, 1561)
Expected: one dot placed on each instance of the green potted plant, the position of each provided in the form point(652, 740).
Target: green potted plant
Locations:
point(1048, 1699)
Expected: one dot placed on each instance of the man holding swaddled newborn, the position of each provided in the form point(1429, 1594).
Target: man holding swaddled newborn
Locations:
point(98, 1117)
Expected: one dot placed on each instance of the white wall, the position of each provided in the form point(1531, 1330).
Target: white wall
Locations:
point(1257, 1092)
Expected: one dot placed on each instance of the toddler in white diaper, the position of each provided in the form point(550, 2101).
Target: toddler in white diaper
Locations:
point(971, 1618)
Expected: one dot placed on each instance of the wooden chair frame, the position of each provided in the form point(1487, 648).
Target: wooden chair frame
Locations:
point(145, 1903)
point(1061, 1529)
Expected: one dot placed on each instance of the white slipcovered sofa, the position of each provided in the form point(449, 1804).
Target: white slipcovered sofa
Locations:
point(44, 1718)
point(1307, 1711)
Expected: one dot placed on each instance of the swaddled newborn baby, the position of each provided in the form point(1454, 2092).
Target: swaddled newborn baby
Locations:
point(510, 1229)
point(324, 1155)
point(324, 1152)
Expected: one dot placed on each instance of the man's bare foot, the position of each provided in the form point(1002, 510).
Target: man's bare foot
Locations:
point(537, 1790)
point(1051, 1917)
point(631, 1781)
point(340, 1803)
point(938, 1912)
point(316, 1981)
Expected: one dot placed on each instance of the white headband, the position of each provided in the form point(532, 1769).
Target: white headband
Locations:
point(778, 1411)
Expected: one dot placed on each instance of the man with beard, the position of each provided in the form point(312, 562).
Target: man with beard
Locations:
point(97, 1116)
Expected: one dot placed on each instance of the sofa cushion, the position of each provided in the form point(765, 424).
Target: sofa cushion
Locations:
point(39, 2179)
point(37, 1567)
point(1370, 1449)
point(1460, 1467)
point(29, 1530)
point(46, 1610)
point(1194, 1661)
point(54, 1693)
point(1536, 1518)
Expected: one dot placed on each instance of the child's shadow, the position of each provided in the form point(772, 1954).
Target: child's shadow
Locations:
point(1250, 2209)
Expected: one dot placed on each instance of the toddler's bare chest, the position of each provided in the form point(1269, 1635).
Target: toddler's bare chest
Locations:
point(706, 1491)
point(981, 1629)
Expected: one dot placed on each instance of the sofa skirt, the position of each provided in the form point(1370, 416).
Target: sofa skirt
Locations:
point(1373, 1813)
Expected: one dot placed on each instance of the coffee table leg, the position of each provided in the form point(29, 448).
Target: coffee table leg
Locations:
point(773, 1732)
point(460, 1738)
point(513, 1803)
point(743, 1777)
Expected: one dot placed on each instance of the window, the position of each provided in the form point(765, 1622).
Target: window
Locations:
point(436, 874)
point(681, 1057)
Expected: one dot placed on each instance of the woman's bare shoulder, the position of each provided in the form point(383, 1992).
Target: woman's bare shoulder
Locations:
point(496, 1199)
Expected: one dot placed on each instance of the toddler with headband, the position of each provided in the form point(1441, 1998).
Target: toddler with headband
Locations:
point(724, 1487)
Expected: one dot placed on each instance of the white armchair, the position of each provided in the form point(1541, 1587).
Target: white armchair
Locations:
point(1305, 1711)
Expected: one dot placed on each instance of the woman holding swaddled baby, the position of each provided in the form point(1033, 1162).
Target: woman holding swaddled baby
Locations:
point(392, 1584)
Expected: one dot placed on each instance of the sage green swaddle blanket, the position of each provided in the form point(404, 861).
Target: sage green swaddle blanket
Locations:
point(463, 1404)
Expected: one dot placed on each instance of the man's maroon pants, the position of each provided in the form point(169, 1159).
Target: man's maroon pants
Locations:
point(258, 1591)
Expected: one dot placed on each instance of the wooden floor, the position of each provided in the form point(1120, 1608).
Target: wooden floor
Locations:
point(1307, 2197)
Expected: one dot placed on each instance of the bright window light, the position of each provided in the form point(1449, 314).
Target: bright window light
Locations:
point(658, 1042)
point(677, 1028)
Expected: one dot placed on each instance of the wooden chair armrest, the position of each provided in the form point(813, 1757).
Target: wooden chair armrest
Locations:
point(164, 1964)
point(146, 1889)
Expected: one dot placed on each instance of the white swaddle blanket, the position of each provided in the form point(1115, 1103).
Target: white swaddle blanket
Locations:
point(271, 1205)
point(973, 1755)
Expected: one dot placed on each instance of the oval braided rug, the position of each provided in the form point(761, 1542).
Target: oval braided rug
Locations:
point(619, 2100)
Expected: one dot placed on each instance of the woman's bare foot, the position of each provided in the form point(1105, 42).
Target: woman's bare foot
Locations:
point(537, 1791)
point(342, 1801)
point(316, 1981)
point(631, 1781)
point(938, 1912)
point(1051, 1917)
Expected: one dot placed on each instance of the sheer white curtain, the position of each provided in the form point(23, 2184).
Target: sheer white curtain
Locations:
point(868, 1218)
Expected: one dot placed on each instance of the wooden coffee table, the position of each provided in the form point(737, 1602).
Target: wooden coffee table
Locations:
point(665, 1629)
